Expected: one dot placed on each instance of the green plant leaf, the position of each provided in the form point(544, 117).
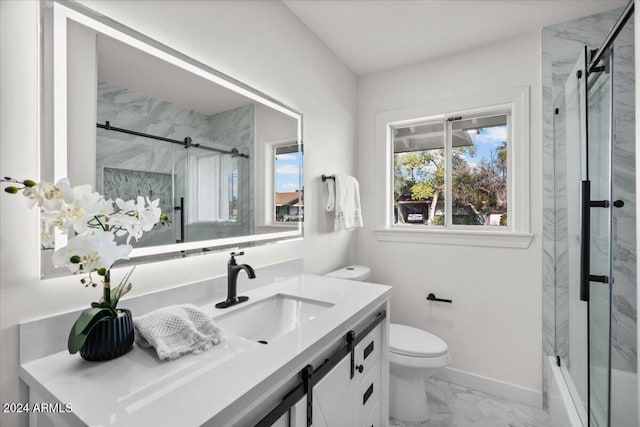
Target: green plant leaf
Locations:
point(122, 289)
point(87, 317)
point(101, 304)
point(83, 326)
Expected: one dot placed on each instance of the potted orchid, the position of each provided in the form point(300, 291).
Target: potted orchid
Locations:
point(91, 223)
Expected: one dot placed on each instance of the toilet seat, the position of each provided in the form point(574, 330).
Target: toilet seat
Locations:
point(405, 366)
point(413, 342)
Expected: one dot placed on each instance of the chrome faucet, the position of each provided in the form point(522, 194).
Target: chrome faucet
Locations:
point(233, 269)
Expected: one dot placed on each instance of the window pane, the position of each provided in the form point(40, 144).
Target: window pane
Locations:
point(418, 174)
point(289, 201)
point(479, 171)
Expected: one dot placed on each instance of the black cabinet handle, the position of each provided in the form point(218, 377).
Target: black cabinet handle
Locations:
point(367, 394)
point(360, 368)
point(368, 350)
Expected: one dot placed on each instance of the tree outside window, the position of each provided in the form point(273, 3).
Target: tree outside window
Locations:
point(476, 191)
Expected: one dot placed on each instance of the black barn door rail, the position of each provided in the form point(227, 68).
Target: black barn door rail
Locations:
point(309, 377)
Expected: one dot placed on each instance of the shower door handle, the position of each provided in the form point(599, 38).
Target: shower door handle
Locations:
point(585, 240)
point(181, 209)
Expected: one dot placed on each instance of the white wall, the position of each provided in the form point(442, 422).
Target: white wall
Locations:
point(260, 43)
point(493, 327)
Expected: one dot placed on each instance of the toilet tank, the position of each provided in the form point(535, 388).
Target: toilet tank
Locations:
point(352, 272)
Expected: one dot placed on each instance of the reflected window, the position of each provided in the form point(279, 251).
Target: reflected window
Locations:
point(289, 195)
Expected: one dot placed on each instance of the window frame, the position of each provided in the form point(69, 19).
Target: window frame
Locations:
point(517, 233)
point(274, 154)
point(265, 208)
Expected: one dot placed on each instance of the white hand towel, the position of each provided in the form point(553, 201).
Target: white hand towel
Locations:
point(331, 198)
point(347, 203)
point(177, 330)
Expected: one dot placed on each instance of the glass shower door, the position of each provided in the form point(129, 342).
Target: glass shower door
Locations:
point(570, 160)
point(583, 194)
point(600, 176)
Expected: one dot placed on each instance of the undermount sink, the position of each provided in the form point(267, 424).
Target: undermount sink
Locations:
point(264, 321)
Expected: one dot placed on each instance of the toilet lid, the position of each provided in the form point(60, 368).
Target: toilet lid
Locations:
point(411, 341)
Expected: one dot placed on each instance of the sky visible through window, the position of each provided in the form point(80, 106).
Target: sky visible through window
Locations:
point(486, 142)
point(288, 172)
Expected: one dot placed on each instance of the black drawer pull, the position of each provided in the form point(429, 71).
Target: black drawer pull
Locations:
point(367, 394)
point(368, 349)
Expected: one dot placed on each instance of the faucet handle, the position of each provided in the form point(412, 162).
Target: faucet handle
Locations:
point(232, 260)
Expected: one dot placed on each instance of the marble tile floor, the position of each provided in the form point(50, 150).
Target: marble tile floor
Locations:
point(451, 405)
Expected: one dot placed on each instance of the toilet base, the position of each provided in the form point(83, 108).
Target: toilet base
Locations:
point(408, 399)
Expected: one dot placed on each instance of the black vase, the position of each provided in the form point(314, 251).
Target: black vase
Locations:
point(109, 339)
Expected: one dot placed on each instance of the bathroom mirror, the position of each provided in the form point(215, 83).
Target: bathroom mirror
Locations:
point(132, 117)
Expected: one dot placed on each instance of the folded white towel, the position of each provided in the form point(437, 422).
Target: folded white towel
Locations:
point(177, 330)
point(344, 200)
point(331, 198)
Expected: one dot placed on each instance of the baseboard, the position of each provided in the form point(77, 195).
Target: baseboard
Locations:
point(499, 388)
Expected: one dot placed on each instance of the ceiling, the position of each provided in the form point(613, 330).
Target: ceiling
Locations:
point(373, 35)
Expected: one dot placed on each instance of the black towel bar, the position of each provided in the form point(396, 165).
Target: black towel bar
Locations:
point(432, 297)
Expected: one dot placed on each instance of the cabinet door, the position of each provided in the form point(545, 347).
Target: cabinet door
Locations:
point(367, 395)
point(333, 398)
point(368, 378)
point(298, 414)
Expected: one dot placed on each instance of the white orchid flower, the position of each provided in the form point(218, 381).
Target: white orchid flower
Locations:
point(128, 206)
point(126, 224)
point(93, 251)
point(48, 196)
point(90, 221)
point(134, 217)
point(150, 215)
point(86, 205)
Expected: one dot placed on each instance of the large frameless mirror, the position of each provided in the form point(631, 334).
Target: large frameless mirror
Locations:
point(132, 117)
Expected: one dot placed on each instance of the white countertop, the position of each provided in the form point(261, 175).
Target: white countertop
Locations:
point(212, 387)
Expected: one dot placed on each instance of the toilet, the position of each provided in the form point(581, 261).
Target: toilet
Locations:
point(414, 355)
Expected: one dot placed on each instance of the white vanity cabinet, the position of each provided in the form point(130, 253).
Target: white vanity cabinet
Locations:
point(333, 398)
point(338, 400)
point(237, 383)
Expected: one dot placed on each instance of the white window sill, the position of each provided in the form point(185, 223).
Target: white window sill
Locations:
point(496, 239)
point(281, 224)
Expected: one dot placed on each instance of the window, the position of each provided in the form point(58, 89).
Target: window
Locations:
point(455, 172)
point(288, 197)
point(452, 171)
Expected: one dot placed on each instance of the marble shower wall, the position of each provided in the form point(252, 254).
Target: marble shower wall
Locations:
point(139, 158)
point(624, 302)
point(561, 46)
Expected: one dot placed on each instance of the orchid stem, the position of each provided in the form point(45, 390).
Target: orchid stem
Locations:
point(107, 287)
point(101, 225)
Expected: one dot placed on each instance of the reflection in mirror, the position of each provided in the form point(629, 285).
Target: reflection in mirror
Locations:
point(189, 143)
point(224, 161)
point(289, 203)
